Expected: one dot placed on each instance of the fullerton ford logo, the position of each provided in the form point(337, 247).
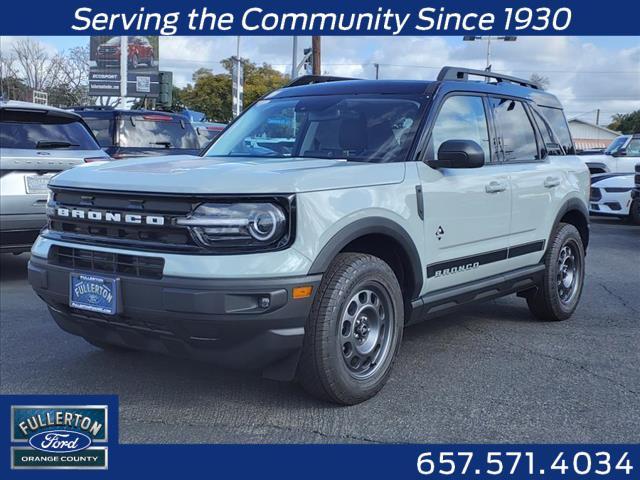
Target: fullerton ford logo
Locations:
point(112, 217)
point(59, 436)
point(60, 441)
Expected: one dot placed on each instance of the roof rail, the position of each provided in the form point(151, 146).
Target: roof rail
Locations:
point(457, 73)
point(311, 79)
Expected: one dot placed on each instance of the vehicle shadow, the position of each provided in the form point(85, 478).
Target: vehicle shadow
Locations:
point(13, 267)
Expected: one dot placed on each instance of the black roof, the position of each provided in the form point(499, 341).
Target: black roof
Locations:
point(450, 79)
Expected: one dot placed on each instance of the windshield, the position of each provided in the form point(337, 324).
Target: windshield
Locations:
point(30, 131)
point(366, 129)
point(616, 145)
point(157, 131)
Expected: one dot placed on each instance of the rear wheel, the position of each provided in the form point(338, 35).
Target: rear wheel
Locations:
point(557, 296)
point(354, 330)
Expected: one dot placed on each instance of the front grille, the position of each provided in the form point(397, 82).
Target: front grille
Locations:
point(145, 235)
point(615, 206)
point(168, 237)
point(113, 263)
point(595, 194)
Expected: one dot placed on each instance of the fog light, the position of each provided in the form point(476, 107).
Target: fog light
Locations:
point(265, 302)
point(302, 292)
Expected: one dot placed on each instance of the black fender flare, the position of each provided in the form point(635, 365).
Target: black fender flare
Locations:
point(574, 204)
point(368, 226)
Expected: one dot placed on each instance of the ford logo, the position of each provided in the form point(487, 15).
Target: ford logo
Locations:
point(60, 441)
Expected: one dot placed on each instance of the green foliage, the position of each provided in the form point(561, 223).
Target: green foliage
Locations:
point(626, 122)
point(211, 93)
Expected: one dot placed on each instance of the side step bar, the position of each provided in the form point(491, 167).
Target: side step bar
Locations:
point(447, 300)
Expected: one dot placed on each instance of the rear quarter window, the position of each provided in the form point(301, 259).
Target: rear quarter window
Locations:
point(558, 122)
point(38, 130)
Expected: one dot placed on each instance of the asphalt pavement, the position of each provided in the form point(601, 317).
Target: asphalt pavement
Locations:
point(489, 374)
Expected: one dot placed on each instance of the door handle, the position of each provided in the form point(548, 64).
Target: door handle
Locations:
point(551, 182)
point(495, 187)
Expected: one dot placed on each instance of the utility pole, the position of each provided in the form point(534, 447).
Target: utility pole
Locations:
point(316, 48)
point(598, 117)
point(294, 59)
point(377, 67)
point(124, 58)
point(236, 82)
point(471, 38)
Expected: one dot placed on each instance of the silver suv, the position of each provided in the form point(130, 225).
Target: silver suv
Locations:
point(36, 142)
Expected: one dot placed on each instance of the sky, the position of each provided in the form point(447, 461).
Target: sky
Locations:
point(586, 73)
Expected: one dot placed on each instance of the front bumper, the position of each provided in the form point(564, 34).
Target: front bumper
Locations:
point(217, 320)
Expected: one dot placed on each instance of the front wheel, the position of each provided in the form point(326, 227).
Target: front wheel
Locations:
point(353, 332)
point(557, 296)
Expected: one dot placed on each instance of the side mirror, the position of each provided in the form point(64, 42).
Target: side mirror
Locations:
point(459, 154)
point(620, 153)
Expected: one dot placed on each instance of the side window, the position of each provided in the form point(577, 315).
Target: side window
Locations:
point(461, 117)
point(551, 143)
point(558, 123)
point(633, 149)
point(514, 127)
point(102, 129)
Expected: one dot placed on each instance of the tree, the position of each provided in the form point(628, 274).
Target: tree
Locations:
point(541, 80)
point(626, 122)
point(210, 94)
point(258, 79)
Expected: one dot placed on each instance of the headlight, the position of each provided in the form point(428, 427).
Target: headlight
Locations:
point(255, 225)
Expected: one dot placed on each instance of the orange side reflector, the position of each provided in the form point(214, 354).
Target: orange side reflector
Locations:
point(302, 292)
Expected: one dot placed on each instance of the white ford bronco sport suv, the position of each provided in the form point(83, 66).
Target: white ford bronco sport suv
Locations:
point(325, 219)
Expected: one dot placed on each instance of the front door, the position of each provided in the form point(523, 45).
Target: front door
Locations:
point(466, 210)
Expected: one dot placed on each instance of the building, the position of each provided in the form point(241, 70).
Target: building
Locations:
point(588, 135)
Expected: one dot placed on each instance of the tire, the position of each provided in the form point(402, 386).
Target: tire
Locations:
point(353, 332)
point(634, 212)
point(109, 347)
point(556, 298)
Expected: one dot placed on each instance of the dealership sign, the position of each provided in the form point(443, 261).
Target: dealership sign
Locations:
point(141, 65)
point(53, 436)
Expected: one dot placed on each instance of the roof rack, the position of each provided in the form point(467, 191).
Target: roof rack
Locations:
point(311, 79)
point(457, 73)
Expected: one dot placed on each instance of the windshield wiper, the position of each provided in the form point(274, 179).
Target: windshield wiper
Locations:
point(55, 144)
point(165, 144)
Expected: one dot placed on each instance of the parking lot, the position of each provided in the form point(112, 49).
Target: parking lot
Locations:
point(490, 374)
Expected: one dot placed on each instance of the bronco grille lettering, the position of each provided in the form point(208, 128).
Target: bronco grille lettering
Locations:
point(109, 217)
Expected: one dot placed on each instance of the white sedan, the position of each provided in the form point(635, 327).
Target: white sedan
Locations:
point(611, 195)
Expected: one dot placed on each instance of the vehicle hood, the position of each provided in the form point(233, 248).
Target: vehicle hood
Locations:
point(186, 174)
point(620, 180)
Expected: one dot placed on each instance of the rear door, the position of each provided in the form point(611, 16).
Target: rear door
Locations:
point(533, 176)
point(466, 210)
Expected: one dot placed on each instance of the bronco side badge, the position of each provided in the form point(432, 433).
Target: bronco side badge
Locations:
point(440, 233)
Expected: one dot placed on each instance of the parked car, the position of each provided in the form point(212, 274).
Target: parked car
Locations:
point(620, 156)
point(397, 202)
point(612, 195)
point(207, 131)
point(140, 51)
point(140, 133)
point(36, 142)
